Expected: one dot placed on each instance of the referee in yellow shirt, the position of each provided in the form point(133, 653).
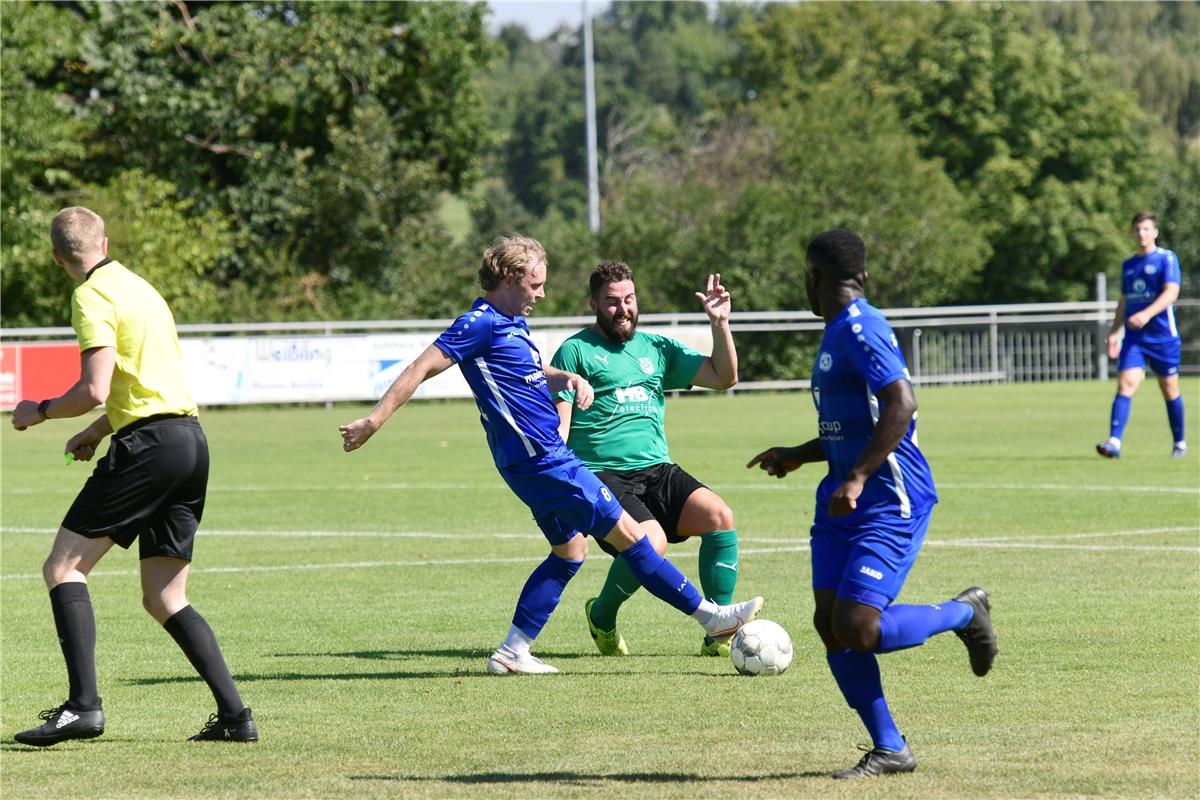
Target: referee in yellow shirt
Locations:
point(150, 486)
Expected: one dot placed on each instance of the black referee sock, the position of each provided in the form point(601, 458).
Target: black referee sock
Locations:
point(75, 622)
point(194, 636)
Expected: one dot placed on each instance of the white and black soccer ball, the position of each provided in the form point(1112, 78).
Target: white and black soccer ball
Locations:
point(761, 647)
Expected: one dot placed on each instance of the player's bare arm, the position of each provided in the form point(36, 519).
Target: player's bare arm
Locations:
point(83, 444)
point(565, 410)
point(1113, 340)
point(562, 381)
point(898, 406)
point(1169, 295)
point(720, 370)
point(431, 362)
point(95, 379)
point(781, 460)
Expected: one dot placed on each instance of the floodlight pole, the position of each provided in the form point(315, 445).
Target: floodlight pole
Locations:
point(589, 99)
point(1101, 327)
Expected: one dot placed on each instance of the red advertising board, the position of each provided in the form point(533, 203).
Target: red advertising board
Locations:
point(36, 370)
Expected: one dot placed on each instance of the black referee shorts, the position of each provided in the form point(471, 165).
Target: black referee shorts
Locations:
point(151, 484)
point(659, 492)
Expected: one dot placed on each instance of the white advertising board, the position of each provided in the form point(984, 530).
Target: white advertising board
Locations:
point(307, 369)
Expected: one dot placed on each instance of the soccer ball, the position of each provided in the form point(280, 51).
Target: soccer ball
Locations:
point(761, 647)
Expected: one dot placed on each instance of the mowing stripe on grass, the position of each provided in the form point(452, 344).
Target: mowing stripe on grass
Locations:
point(1013, 544)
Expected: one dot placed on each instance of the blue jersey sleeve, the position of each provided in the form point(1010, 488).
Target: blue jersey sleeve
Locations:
point(876, 353)
point(1172, 273)
point(469, 337)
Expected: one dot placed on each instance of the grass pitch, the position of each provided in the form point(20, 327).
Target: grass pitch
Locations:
point(357, 597)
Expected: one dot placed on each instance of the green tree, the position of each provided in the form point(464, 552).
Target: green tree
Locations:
point(319, 135)
point(746, 202)
point(1049, 152)
point(40, 159)
point(658, 67)
point(1155, 49)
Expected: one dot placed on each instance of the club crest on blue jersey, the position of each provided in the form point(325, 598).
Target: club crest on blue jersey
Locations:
point(825, 362)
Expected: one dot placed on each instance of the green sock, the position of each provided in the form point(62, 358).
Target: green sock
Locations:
point(718, 565)
point(619, 586)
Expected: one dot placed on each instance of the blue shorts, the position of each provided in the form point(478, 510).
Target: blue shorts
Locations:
point(564, 496)
point(868, 565)
point(1163, 357)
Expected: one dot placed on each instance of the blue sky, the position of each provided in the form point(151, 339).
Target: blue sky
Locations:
point(540, 17)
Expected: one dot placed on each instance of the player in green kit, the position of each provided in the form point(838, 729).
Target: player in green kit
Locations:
point(621, 437)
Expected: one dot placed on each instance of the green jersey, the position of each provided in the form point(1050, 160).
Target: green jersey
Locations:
point(623, 428)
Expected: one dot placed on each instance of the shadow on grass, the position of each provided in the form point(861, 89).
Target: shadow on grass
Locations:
point(387, 655)
point(580, 779)
point(316, 676)
point(479, 657)
point(11, 745)
point(395, 675)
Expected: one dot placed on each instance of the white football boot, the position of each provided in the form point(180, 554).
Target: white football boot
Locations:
point(725, 623)
point(505, 662)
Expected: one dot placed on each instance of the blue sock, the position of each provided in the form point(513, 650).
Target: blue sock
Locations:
point(542, 592)
point(1120, 415)
point(857, 675)
point(660, 577)
point(1175, 417)
point(908, 626)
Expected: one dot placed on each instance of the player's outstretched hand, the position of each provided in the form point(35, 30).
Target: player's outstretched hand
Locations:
point(356, 433)
point(83, 444)
point(777, 461)
point(716, 300)
point(1114, 346)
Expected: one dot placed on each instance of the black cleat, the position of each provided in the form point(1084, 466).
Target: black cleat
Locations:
point(236, 729)
point(61, 724)
point(880, 762)
point(978, 635)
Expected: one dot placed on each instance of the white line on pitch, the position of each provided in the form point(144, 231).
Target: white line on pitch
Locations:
point(319, 534)
point(746, 487)
point(686, 553)
point(534, 535)
point(1089, 535)
point(1000, 487)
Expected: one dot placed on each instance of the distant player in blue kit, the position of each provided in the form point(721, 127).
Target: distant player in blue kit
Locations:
point(874, 505)
point(512, 388)
point(1149, 286)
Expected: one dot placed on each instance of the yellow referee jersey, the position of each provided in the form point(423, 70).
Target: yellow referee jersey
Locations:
point(116, 308)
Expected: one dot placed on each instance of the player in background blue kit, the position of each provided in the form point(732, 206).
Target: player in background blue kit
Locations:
point(873, 506)
point(1149, 285)
point(491, 345)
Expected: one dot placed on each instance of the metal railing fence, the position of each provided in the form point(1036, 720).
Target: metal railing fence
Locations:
point(946, 344)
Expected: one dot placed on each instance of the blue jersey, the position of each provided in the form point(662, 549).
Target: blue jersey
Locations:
point(1143, 278)
point(504, 370)
point(859, 356)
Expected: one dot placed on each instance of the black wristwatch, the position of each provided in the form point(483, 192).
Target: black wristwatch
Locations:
point(42, 408)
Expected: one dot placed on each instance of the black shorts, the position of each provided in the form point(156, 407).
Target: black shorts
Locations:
point(659, 492)
point(151, 483)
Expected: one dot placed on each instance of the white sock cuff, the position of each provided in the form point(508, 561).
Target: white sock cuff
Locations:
point(705, 611)
point(516, 641)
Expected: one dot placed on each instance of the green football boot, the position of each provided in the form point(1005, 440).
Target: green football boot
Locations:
point(709, 647)
point(609, 643)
